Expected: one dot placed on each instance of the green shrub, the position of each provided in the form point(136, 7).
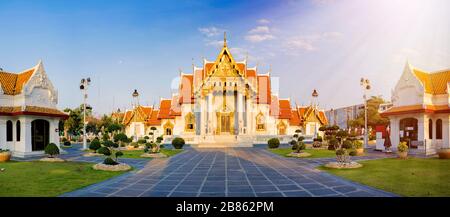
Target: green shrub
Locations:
point(95, 145)
point(298, 131)
point(104, 150)
point(301, 138)
point(293, 142)
point(118, 154)
point(109, 161)
point(146, 137)
point(52, 150)
point(402, 147)
point(318, 139)
point(178, 143)
point(331, 147)
point(358, 144)
point(347, 144)
point(159, 139)
point(273, 143)
point(64, 139)
point(301, 146)
point(352, 153)
point(295, 136)
point(105, 137)
point(67, 143)
point(340, 152)
point(120, 137)
point(333, 142)
point(141, 141)
point(111, 144)
point(295, 146)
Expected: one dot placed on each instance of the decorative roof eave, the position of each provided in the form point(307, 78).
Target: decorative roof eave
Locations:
point(32, 110)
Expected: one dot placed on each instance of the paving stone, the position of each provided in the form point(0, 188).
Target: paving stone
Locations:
point(322, 192)
point(344, 189)
point(360, 194)
point(297, 194)
point(128, 193)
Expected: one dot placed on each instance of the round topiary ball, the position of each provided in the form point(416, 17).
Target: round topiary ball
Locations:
point(109, 161)
point(273, 143)
point(178, 143)
point(347, 144)
point(95, 145)
point(52, 150)
point(67, 143)
point(104, 150)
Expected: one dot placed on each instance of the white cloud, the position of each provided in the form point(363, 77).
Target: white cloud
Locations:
point(259, 34)
point(308, 42)
point(259, 29)
point(210, 31)
point(214, 43)
point(263, 21)
point(259, 38)
point(299, 43)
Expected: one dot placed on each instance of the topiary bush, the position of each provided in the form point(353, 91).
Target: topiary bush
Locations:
point(141, 141)
point(67, 143)
point(52, 150)
point(95, 145)
point(333, 144)
point(273, 143)
point(178, 143)
point(358, 144)
point(301, 138)
point(402, 147)
point(301, 146)
point(110, 161)
point(347, 144)
point(295, 146)
point(121, 138)
point(352, 153)
point(104, 150)
point(293, 142)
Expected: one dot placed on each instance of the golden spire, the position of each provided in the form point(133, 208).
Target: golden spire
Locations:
point(224, 39)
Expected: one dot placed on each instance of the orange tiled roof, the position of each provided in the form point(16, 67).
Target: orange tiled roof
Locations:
point(186, 89)
point(175, 107)
point(251, 73)
point(264, 92)
point(434, 83)
point(153, 118)
point(12, 84)
point(31, 110)
point(411, 109)
point(164, 109)
point(295, 118)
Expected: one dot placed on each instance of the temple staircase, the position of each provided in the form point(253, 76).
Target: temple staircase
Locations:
point(225, 141)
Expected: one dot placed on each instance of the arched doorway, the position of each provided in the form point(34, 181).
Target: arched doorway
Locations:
point(40, 134)
point(281, 128)
point(409, 128)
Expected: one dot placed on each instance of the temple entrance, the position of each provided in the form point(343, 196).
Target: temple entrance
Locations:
point(225, 124)
point(408, 130)
point(40, 134)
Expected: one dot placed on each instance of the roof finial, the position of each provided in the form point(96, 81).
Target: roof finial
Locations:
point(225, 39)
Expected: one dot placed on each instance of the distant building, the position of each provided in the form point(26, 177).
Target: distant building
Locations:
point(342, 116)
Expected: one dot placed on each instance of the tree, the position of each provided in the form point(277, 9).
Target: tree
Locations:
point(373, 116)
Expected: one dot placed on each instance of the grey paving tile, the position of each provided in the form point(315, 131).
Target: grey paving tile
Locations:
point(322, 192)
point(297, 194)
point(128, 193)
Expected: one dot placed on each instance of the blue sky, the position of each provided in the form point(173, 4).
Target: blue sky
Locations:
point(124, 45)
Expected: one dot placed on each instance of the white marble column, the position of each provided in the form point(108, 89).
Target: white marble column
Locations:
point(240, 111)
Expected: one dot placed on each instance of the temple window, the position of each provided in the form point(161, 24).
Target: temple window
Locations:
point(9, 131)
point(430, 129)
point(439, 129)
point(189, 120)
point(260, 122)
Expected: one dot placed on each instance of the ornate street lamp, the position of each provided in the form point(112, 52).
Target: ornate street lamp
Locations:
point(365, 84)
point(135, 95)
point(315, 95)
point(85, 82)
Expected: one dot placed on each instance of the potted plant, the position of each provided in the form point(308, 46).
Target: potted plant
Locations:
point(444, 153)
point(5, 155)
point(359, 147)
point(402, 150)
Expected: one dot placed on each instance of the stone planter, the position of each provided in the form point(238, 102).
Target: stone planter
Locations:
point(301, 154)
point(359, 151)
point(51, 159)
point(402, 155)
point(117, 167)
point(154, 155)
point(5, 156)
point(444, 153)
point(337, 165)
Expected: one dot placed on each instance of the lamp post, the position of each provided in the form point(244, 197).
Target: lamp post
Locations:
point(365, 84)
point(315, 95)
point(83, 87)
point(136, 102)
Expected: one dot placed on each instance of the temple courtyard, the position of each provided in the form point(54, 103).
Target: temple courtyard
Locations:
point(231, 172)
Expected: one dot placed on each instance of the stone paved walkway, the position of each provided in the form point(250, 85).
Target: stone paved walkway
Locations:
point(238, 172)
